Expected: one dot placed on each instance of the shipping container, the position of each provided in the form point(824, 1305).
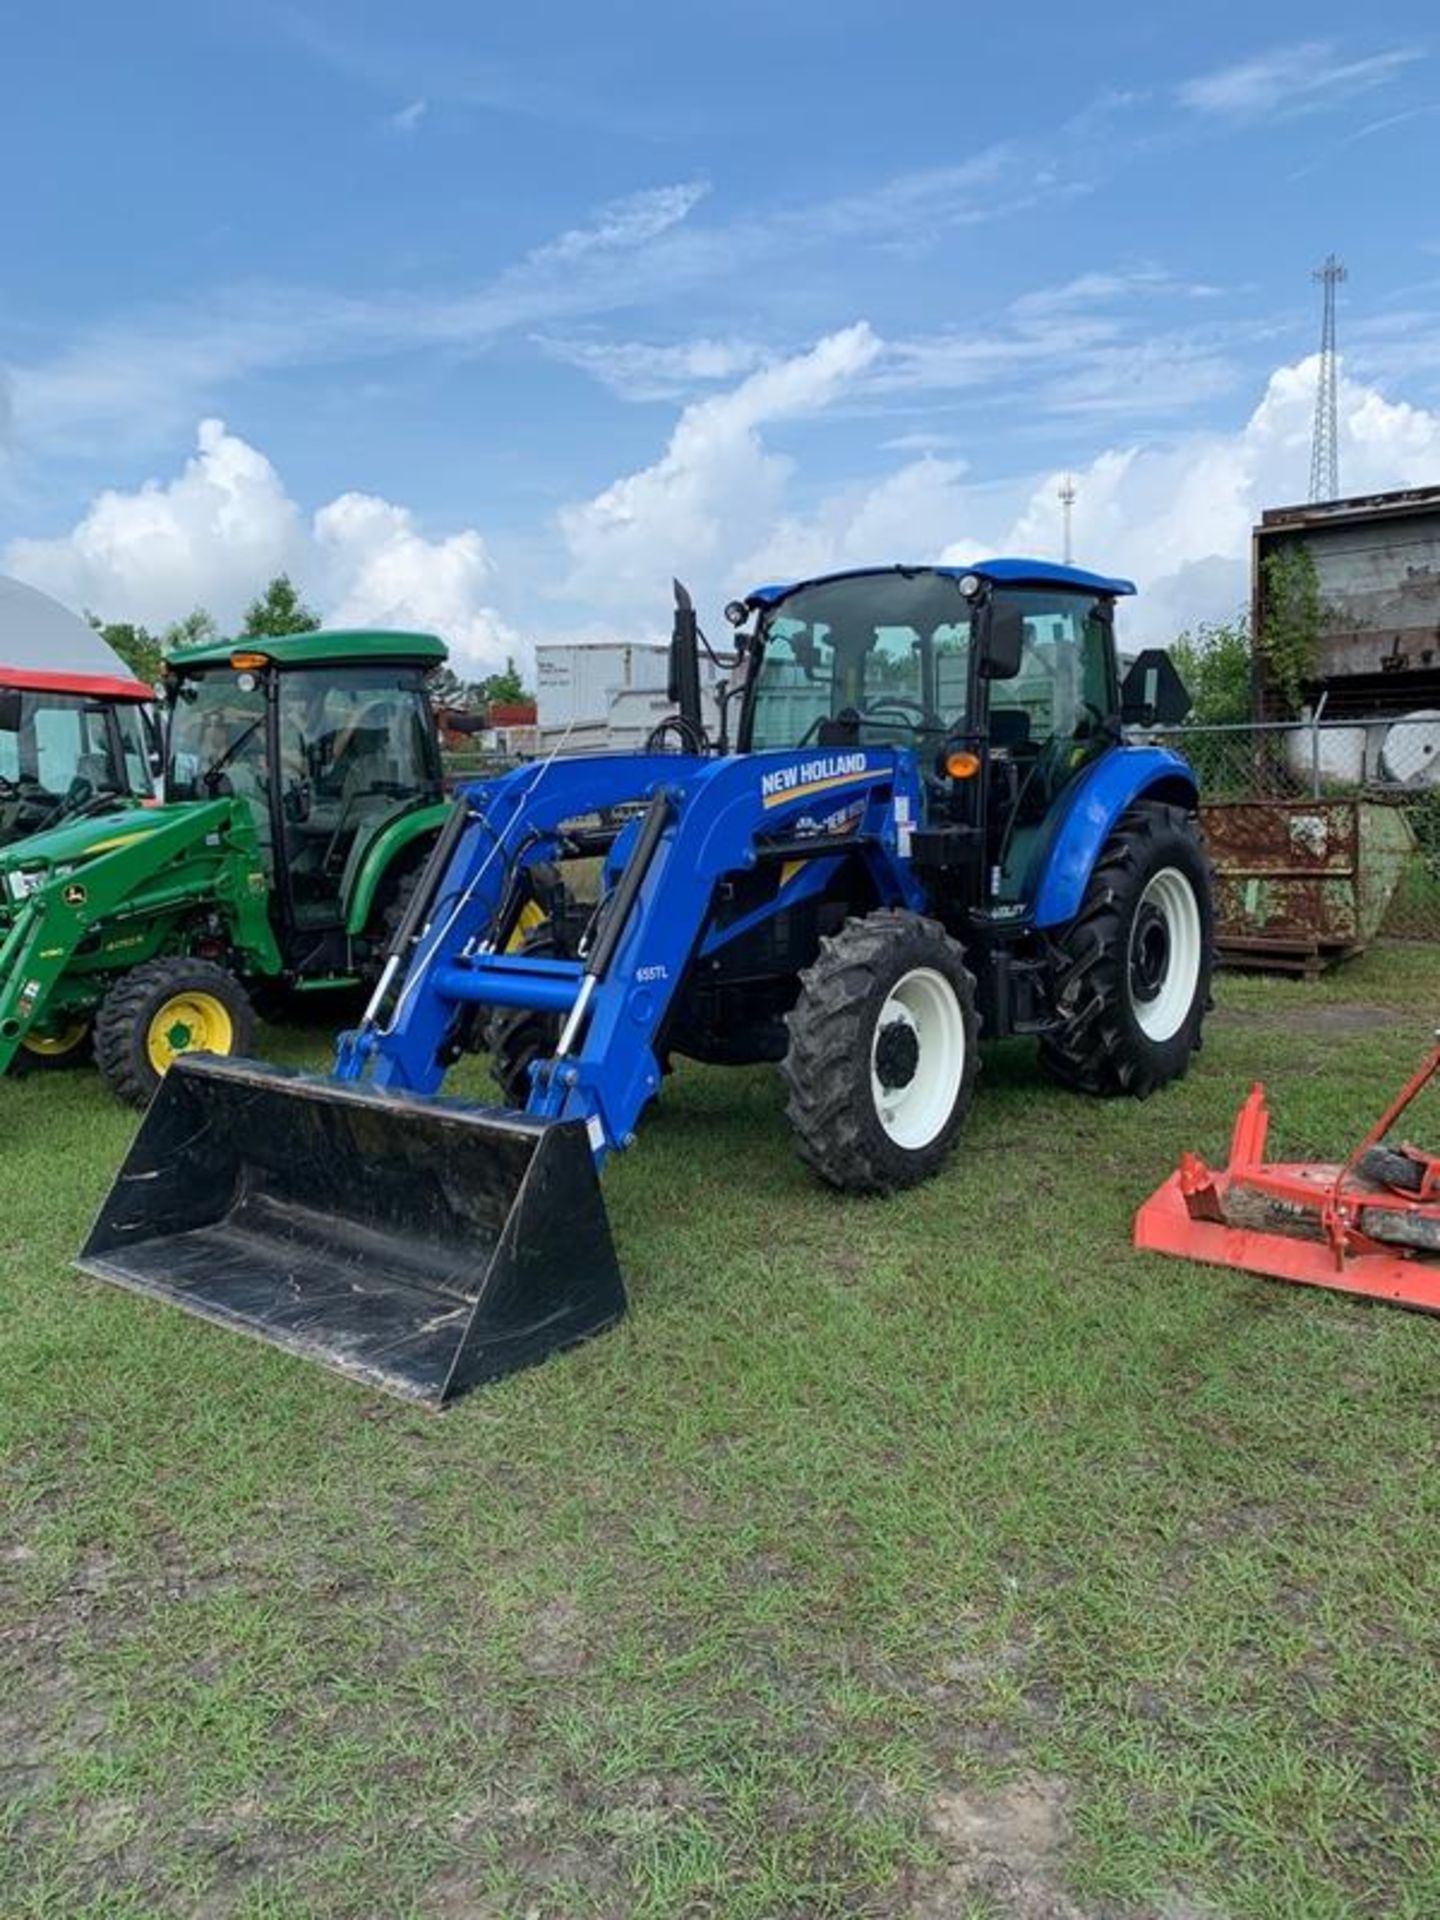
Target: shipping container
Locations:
point(574, 680)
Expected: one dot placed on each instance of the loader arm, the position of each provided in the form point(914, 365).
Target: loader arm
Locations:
point(704, 820)
point(91, 918)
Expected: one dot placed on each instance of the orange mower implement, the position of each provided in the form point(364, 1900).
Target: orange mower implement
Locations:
point(1369, 1226)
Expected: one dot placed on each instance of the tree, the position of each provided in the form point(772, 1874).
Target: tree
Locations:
point(1213, 659)
point(279, 610)
point(194, 630)
point(137, 646)
point(501, 689)
point(1294, 613)
point(144, 652)
point(447, 689)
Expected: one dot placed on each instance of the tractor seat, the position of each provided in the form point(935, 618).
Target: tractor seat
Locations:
point(842, 730)
point(1009, 727)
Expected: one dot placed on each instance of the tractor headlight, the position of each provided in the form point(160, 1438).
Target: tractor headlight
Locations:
point(22, 885)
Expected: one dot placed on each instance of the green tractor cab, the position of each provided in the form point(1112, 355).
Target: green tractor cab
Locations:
point(302, 790)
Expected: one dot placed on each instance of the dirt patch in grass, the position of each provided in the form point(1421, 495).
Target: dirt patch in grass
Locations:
point(1003, 1850)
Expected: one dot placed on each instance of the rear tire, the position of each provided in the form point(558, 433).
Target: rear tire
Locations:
point(883, 1053)
point(162, 1009)
point(1134, 985)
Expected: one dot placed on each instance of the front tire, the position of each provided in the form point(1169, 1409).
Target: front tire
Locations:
point(63, 1046)
point(1136, 962)
point(162, 1009)
point(883, 1053)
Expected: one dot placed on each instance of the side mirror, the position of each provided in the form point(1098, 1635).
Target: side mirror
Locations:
point(1152, 692)
point(1004, 640)
point(12, 708)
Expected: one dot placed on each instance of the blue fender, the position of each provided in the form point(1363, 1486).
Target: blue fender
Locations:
point(1095, 802)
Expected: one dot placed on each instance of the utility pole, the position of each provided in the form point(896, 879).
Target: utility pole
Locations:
point(1066, 496)
point(1325, 446)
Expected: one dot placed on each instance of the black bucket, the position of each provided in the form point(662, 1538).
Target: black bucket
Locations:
point(420, 1245)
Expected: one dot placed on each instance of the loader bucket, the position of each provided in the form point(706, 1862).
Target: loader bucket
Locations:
point(419, 1245)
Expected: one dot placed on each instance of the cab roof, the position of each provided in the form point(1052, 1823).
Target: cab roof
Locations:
point(358, 646)
point(1009, 573)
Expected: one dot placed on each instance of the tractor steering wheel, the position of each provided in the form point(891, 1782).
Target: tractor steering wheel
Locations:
point(896, 703)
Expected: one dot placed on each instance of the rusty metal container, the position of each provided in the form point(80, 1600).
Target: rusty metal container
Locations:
point(1300, 884)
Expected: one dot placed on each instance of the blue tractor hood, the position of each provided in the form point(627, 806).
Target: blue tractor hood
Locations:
point(1009, 573)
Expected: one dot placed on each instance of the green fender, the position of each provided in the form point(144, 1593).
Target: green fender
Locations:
point(373, 861)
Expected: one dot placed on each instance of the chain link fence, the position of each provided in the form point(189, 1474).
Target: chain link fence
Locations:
point(1351, 807)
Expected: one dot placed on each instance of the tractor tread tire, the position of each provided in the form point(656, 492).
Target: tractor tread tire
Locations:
point(1100, 1048)
point(516, 1036)
point(126, 1010)
point(26, 1063)
point(826, 1070)
point(1387, 1167)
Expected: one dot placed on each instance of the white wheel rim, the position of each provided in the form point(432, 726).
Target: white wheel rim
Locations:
point(1163, 967)
point(917, 1058)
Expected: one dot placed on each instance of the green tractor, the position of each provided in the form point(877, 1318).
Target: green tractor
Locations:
point(302, 792)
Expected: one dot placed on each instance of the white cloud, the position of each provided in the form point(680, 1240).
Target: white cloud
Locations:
point(725, 506)
point(642, 370)
point(715, 488)
point(1173, 514)
point(1177, 517)
point(213, 535)
point(624, 223)
point(387, 574)
point(1301, 78)
point(408, 119)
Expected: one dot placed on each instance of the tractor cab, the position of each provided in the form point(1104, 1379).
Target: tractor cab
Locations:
point(76, 729)
point(1001, 680)
point(330, 740)
point(70, 744)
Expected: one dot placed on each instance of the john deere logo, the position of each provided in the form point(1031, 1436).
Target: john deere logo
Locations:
point(75, 895)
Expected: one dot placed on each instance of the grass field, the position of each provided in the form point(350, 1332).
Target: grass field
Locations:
point(932, 1557)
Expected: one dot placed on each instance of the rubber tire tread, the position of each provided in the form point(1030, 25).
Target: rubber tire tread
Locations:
point(1101, 1049)
point(826, 1070)
point(517, 1035)
point(1387, 1168)
point(126, 1011)
point(26, 1063)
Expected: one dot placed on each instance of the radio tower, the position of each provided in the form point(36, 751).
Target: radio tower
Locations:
point(1325, 448)
point(1066, 496)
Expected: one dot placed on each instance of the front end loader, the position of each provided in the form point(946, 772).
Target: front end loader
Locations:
point(302, 790)
point(928, 826)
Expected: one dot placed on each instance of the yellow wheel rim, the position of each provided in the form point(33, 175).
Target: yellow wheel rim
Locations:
point(54, 1046)
point(188, 1023)
point(531, 916)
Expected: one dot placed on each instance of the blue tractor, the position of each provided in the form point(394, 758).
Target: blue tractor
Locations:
point(912, 819)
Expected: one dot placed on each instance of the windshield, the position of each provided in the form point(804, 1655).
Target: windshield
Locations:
point(58, 758)
point(879, 659)
point(217, 737)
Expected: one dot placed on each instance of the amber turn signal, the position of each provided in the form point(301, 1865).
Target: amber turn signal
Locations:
point(962, 766)
point(240, 661)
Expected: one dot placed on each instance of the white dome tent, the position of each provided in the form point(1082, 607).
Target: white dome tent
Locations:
point(74, 723)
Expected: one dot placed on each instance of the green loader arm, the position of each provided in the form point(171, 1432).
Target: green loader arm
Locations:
point(65, 940)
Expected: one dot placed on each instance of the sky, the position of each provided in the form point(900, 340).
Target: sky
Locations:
point(493, 319)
